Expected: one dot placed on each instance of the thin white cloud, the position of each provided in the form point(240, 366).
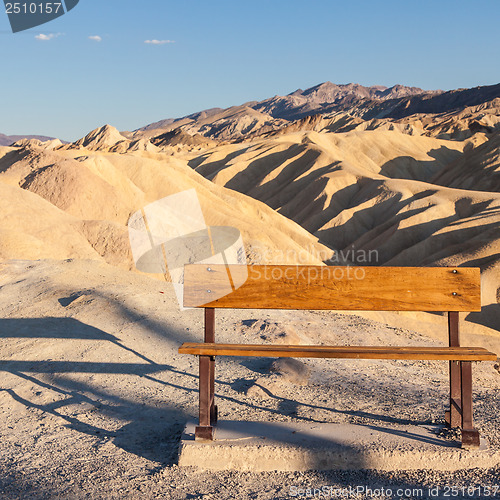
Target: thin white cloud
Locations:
point(95, 38)
point(158, 42)
point(46, 38)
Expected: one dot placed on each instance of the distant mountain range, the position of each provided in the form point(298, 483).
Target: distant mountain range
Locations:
point(7, 140)
point(367, 103)
point(321, 98)
point(454, 114)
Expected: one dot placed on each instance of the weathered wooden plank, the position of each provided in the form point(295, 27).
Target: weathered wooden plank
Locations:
point(299, 347)
point(334, 288)
point(356, 352)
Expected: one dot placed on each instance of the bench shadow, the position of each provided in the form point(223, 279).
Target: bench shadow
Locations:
point(261, 366)
point(293, 404)
point(288, 435)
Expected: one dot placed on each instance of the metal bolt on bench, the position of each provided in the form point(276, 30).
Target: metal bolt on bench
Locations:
point(332, 288)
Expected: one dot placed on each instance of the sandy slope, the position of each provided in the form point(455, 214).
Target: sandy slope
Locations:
point(478, 169)
point(90, 196)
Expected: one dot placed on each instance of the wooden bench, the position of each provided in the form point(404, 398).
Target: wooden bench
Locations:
point(338, 288)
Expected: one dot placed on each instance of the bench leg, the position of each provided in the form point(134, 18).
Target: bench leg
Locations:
point(470, 436)
point(205, 429)
point(213, 407)
point(453, 417)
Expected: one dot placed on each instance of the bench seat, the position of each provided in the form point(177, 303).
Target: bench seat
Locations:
point(355, 352)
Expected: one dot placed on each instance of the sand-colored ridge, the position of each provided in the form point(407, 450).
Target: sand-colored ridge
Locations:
point(478, 169)
point(99, 139)
point(38, 231)
point(99, 191)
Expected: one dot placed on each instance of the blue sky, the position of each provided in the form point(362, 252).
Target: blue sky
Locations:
point(223, 53)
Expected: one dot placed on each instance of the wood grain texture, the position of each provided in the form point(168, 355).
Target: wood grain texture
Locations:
point(356, 352)
point(333, 288)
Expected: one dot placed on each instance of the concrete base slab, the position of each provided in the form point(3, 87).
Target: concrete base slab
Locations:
point(285, 446)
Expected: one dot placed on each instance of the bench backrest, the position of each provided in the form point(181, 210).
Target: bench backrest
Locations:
point(333, 288)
